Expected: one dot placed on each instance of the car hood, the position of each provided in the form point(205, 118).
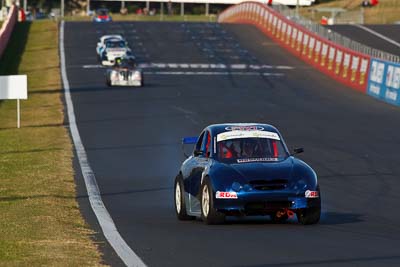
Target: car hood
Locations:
point(264, 170)
point(291, 169)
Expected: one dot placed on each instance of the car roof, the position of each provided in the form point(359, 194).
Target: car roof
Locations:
point(215, 129)
point(114, 40)
point(116, 36)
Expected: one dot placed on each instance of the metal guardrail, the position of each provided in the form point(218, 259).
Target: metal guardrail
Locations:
point(334, 36)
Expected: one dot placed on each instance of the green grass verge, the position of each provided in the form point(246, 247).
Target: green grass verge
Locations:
point(386, 12)
point(40, 219)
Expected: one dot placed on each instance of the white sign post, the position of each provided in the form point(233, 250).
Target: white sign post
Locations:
point(14, 87)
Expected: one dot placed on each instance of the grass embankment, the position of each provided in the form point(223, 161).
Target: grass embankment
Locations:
point(40, 219)
point(118, 17)
point(385, 12)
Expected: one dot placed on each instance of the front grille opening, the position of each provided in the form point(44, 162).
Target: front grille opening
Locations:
point(260, 207)
point(124, 75)
point(265, 185)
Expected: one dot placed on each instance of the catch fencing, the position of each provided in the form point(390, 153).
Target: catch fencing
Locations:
point(341, 63)
point(334, 36)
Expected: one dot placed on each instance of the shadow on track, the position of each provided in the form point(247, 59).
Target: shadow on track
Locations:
point(330, 218)
point(128, 192)
point(336, 218)
point(333, 262)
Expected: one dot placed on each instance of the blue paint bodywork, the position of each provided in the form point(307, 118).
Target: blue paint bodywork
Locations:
point(261, 187)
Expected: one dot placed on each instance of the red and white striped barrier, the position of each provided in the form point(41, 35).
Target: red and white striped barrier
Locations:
point(342, 64)
point(7, 28)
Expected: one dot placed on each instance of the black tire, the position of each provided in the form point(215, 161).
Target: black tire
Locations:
point(310, 215)
point(142, 82)
point(181, 213)
point(208, 213)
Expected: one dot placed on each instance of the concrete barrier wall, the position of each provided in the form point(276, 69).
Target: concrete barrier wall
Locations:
point(342, 64)
point(7, 28)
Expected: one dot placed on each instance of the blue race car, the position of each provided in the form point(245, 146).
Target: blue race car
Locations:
point(102, 15)
point(245, 169)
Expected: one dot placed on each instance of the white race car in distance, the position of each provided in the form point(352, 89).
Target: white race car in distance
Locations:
point(103, 39)
point(124, 73)
point(112, 48)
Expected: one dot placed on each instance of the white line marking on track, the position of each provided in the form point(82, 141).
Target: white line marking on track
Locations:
point(127, 255)
point(387, 39)
point(215, 73)
point(199, 66)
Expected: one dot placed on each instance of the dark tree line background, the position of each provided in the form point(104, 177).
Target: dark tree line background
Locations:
point(79, 6)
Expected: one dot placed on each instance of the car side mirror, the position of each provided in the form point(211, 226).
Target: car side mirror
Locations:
point(298, 150)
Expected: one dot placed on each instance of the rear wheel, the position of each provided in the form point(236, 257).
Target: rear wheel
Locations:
point(180, 207)
point(208, 213)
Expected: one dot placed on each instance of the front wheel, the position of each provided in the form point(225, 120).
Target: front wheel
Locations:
point(309, 216)
point(208, 213)
point(180, 207)
point(142, 82)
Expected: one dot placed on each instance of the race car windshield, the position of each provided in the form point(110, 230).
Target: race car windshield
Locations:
point(118, 44)
point(102, 12)
point(254, 149)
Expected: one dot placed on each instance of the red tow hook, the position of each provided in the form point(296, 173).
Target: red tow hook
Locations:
point(284, 212)
point(290, 213)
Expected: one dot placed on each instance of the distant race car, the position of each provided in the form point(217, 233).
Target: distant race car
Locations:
point(102, 15)
point(103, 39)
point(101, 44)
point(112, 47)
point(124, 73)
point(245, 169)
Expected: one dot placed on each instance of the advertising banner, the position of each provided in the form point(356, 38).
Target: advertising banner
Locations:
point(384, 81)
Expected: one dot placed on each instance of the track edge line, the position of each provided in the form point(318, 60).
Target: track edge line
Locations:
point(127, 255)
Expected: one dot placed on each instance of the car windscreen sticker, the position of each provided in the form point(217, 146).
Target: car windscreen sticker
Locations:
point(244, 128)
point(226, 195)
point(247, 134)
point(256, 160)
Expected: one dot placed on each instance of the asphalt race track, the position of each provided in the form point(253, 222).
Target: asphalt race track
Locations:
point(364, 37)
point(132, 138)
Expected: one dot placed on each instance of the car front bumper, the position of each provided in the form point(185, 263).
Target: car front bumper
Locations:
point(126, 83)
point(261, 203)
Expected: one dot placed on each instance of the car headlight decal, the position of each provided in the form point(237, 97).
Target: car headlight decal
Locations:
point(114, 75)
point(136, 75)
point(226, 195)
point(311, 194)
